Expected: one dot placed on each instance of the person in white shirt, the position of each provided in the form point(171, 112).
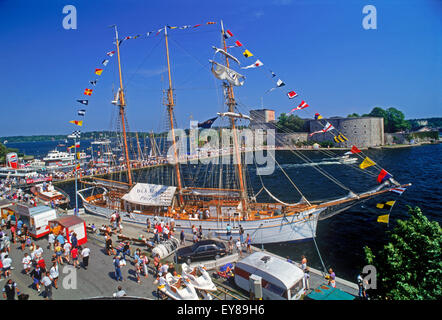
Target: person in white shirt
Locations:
point(27, 263)
point(238, 247)
point(163, 269)
point(51, 240)
point(47, 282)
point(120, 293)
point(67, 252)
point(6, 261)
point(85, 254)
point(54, 274)
point(38, 253)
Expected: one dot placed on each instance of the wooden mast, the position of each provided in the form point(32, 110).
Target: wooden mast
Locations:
point(231, 104)
point(140, 155)
point(170, 104)
point(122, 105)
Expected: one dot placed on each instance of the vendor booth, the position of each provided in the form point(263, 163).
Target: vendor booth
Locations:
point(5, 209)
point(36, 218)
point(68, 225)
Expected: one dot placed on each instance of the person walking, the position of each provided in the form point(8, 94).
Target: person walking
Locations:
point(74, 240)
point(306, 278)
point(54, 274)
point(85, 252)
point(7, 262)
point(51, 240)
point(303, 263)
point(361, 285)
point(138, 271)
point(58, 252)
point(118, 275)
point(241, 234)
point(238, 247)
point(47, 283)
point(228, 230)
point(74, 255)
point(27, 263)
point(182, 237)
point(249, 243)
point(67, 252)
point(36, 275)
point(10, 289)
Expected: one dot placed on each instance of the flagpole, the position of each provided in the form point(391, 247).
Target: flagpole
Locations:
point(231, 104)
point(76, 174)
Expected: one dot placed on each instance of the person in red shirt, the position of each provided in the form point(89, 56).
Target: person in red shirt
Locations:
point(74, 255)
point(42, 264)
point(13, 233)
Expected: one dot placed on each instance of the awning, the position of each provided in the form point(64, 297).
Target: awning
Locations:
point(325, 292)
point(150, 195)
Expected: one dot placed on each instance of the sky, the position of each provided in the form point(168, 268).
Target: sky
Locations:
point(319, 49)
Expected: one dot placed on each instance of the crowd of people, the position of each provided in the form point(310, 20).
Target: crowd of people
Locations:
point(43, 274)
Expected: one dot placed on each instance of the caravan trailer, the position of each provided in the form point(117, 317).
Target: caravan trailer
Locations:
point(281, 280)
point(36, 218)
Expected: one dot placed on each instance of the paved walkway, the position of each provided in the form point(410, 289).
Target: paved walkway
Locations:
point(98, 280)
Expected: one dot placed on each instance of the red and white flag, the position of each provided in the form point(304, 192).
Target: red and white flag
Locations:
point(292, 94)
point(255, 65)
point(302, 105)
point(110, 53)
point(327, 127)
point(228, 34)
point(238, 44)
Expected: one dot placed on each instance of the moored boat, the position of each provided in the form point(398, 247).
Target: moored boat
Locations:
point(198, 277)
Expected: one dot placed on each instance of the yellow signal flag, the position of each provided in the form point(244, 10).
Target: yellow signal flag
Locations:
point(98, 71)
point(78, 155)
point(367, 163)
point(76, 122)
point(386, 205)
point(384, 219)
point(247, 54)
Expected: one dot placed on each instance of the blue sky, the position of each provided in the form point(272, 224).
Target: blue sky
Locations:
point(318, 48)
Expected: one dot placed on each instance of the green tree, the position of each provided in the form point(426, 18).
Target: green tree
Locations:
point(353, 115)
point(290, 123)
point(394, 119)
point(409, 267)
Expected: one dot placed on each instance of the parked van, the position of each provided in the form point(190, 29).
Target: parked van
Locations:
point(281, 280)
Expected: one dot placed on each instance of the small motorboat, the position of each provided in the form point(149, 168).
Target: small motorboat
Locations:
point(178, 288)
point(345, 159)
point(48, 193)
point(198, 277)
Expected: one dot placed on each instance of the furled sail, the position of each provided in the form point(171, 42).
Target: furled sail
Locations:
point(234, 115)
point(223, 73)
point(226, 54)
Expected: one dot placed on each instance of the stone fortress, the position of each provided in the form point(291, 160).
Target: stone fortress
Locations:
point(361, 131)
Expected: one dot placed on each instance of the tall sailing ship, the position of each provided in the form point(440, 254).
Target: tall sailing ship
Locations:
point(225, 208)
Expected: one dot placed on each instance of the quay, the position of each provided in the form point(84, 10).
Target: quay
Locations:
point(98, 282)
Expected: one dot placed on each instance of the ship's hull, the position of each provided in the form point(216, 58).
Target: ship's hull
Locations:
point(268, 230)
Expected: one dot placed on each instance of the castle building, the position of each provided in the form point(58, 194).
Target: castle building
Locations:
point(360, 131)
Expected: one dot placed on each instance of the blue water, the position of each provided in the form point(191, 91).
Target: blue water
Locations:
point(340, 238)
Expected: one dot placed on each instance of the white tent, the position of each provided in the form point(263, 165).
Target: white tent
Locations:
point(150, 195)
